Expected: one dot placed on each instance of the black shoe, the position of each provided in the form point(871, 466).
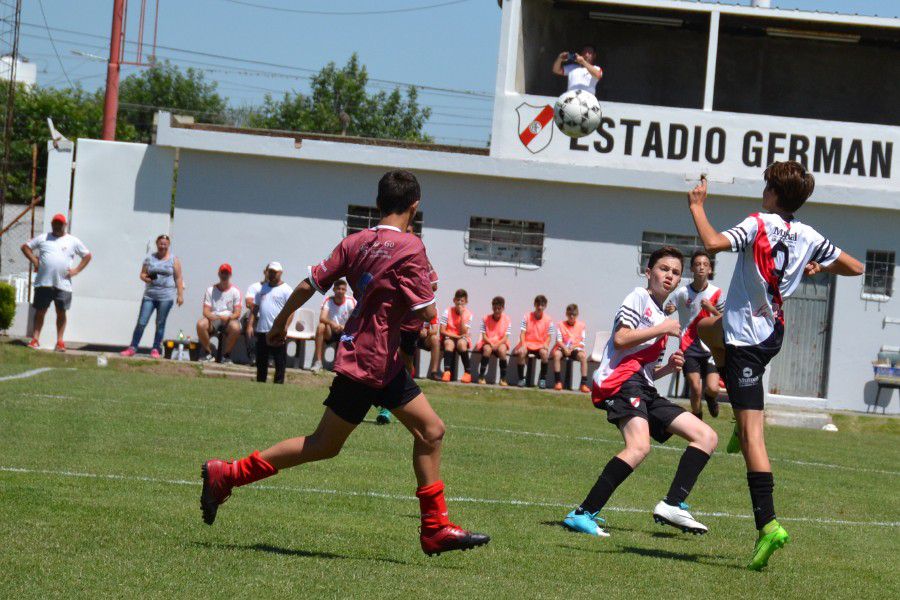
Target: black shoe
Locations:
point(713, 405)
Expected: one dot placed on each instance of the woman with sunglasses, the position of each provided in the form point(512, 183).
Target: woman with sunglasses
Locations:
point(161, 274)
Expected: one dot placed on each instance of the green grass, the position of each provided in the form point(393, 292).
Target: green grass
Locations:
point(66, 535)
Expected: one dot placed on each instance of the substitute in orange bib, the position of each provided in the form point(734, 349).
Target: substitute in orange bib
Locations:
point(495, 330)
point(570, 335)
point(455, 324)
point(536, 336)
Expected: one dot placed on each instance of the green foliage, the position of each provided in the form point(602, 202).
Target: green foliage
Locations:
point(7, 305)
point(339, 103)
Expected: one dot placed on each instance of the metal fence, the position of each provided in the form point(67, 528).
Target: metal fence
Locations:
point(14, 267)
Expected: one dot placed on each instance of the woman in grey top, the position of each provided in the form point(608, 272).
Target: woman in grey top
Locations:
point(161, 273)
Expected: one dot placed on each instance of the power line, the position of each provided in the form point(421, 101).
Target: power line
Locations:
point(344, 13)
point(52, 43)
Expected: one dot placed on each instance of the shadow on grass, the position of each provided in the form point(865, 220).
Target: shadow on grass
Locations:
point(694, 557)
point(270, 549)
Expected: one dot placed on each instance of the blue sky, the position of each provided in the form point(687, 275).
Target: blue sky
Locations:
point(452, 46)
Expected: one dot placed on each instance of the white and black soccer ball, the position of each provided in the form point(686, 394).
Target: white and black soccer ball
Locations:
point(577, 113)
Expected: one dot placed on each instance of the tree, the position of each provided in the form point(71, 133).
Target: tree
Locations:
point(165, 86)
point(339, 104)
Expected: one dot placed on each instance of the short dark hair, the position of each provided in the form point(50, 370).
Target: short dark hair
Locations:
point(588, 47)
point(498, 301)
point(397, 191)
point(697, 254)
point(662, 253)
point(791, 182)
point(340, 282)
point(572, 308)
point(461, 293)
point(540, 299)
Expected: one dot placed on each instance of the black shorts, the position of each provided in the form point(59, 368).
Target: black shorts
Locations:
point(640, 399)
point(408, 342)
point(744, 369)
point(351, 400)
point(45, 295)
point(698, 364)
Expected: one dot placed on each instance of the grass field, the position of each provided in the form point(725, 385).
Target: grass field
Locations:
point(99, 485)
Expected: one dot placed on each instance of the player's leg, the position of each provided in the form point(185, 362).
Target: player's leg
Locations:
point(434, 346)
point(713, 335)
point(462, 348)
point(583, 386)
point(438, 533)
point(486, 351)
point(695, 390)
point(323, 332)
point(702, 442)
point(557, 356)
point(502, 352)
point(449, 357)
point(38, 324)
point(544, 356)
point(711, 388)
point(635, 431)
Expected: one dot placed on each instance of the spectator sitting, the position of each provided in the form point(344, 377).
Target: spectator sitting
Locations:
point(269, 301)
point(495, 330)
point(535, 337)
point(248, 321)
point(336, 310)
point(582, 73)
point(455, 324)
point(53, 284)
point(221, 315)
point(164, 286)
point(570, 336)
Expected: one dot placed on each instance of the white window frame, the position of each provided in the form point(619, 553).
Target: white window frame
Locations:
point(491, 262)
point(884, 294)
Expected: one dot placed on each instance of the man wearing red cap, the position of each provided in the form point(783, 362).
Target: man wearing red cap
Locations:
point(52, 255)
point(221, 314)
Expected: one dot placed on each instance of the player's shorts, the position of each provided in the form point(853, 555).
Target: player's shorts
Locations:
point(351, 400)
point(494, 347)
point(408, 342)
point(535, 352)
point(573, 352)
point(698, 364)
point(45, 295)
point(637, 399)
point(744, 369)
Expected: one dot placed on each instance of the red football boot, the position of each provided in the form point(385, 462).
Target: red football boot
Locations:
point(451, 537)
point(216, 488)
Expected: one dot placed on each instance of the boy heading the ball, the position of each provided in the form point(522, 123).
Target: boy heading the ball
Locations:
point(775, 250)
point(388, 272)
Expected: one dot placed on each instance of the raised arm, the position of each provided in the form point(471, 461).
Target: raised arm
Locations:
point(844, 265)
point(595, 71)
point(713, 241)
point(558, 64)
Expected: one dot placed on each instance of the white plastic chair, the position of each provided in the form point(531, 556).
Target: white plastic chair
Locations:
point(600, 341)
point(301, 330)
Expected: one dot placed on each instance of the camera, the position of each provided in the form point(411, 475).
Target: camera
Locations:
point(570, 59)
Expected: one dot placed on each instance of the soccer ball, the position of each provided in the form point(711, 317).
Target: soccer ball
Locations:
point(577, 113)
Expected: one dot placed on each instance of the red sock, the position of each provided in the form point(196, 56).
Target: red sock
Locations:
point(250, 469)
point(433, 506)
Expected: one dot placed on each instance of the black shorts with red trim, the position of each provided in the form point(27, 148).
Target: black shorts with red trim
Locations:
point(637, 398)
point(744, 370)
point(698, 364)
point(351, 400)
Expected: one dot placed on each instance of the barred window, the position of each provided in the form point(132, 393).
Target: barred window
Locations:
point(879, 277)
point(505, 243)
point(364, 217)
point(688, 244)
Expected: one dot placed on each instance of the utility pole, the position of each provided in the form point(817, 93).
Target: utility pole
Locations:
point(111, 102)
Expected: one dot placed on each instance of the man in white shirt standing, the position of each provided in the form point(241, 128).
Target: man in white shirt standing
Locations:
point(221, 314)
point(52, 255)
point(269, 301)
point(334, 314)
point(248, 322)
point(580, 69)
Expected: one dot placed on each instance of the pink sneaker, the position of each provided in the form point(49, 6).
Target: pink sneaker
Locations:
point(154, 353)
point(127, 352)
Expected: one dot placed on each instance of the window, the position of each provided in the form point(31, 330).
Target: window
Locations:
point(495, 242)
point(364, 217)
point(879, 277)
point(688, 244)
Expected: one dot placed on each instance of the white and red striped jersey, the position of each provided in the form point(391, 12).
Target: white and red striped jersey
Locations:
point(638, 311)
point(689, 301)
point(773, 256)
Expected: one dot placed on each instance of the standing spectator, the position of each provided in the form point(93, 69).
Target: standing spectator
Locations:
point(248, 322)
point(52, 255)
point(570, 337)
point(269, 301)
point(221, 314)
point(495, 330)
point(535, 336)
point(455, 324)
point(336, 309)
point(161, 274)
point(581, 71)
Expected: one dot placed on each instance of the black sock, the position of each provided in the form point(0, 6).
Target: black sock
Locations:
point(543, 370)
point(464, 356)
point(556, 376)
point(484, 365)
point(692, 462)
point(761, 485)
point(584, 380)
point(448, 360)
point(521, 371)
point(614, 473)
point(503, 365)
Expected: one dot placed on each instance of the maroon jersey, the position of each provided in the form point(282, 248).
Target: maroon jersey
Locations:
point(388, 273)
point(413, 322)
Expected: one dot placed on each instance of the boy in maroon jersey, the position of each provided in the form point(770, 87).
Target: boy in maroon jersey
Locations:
point(388, 272)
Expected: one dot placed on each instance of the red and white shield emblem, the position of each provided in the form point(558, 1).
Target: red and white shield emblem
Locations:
point(535, 130)
point(635, 402)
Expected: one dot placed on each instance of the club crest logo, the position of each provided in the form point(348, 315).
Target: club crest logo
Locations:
point(648, 313)
point(535, 126)
point(747, 372)
point(635, 402)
